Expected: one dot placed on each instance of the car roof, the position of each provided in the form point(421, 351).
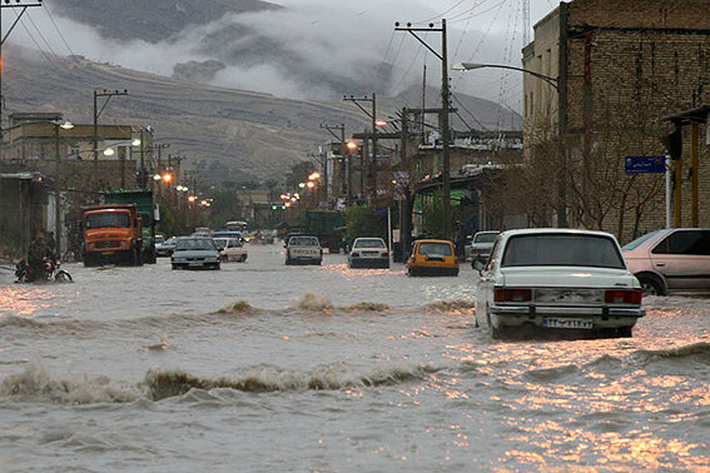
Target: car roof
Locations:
point(369, 238)
point(487, 232)
point(554, 231)
point(434, 241)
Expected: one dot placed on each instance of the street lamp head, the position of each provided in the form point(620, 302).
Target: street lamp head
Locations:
point(157, 177)
point(467, 66)
point(109, 152)
point(380, 122)
point(67, 125)
point(351, 145)
point(136, 142)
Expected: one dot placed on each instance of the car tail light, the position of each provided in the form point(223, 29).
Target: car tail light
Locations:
point(385, 255)
point(626, 296)
point(512, 295)
point(356, 255)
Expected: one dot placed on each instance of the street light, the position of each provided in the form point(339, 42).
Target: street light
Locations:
point(469, 66)
point(561, 89)
point(67, 125)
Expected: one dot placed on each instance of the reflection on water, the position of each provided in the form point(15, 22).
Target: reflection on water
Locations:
point(24, 300)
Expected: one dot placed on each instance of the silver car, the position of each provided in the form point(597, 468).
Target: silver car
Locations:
point(671, 260)
point(195, 253)
point(481, 245)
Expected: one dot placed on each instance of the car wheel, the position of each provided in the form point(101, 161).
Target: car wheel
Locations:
point(495, 333)
point(651, 286)
point(243, 259)
point(624, 332)
point(289, 262)
point(174, 266)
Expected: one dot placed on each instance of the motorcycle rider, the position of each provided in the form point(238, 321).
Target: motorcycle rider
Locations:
point(39, 251)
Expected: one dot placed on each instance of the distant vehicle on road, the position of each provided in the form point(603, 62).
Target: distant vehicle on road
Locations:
point(231, 249)
point(166, 248)
point(303, 249)
point(481, 245)
point(433, 258)
point(369, 252)
point(195, 253)
point(671, 260)
point(558, 282)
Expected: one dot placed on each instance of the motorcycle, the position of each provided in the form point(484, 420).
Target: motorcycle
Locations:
point(50, 272)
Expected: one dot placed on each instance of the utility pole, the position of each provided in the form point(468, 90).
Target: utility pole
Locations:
point(373, 118)
point(345, 174)
point(3, 37)
point(444, 119)
point(97, 113)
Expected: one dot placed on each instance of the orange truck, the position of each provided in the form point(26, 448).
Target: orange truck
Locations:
point(113, 234)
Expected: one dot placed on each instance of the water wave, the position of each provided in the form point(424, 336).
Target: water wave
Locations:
point(452, 306)
point(700, 351)
point(164, 384)
point(237, 308)
point(36, 385)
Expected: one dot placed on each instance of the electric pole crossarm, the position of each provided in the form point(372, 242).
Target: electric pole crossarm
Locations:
point(17, 20)
point(412, 32)
point(335, 127)
point(361, 99)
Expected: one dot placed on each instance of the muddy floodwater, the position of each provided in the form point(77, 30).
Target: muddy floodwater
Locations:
point(267, 368)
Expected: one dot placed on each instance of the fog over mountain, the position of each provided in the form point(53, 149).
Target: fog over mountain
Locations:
point(308, 49)
point(242, 83)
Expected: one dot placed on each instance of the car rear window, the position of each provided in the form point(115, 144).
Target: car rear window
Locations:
point(562, 250)
point(428, 248)
point(485, 238)
point(196, 244)
point(369, 244)
point(303, 241)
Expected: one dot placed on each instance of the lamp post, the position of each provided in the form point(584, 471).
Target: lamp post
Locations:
point(560, 87)
point(58, 187)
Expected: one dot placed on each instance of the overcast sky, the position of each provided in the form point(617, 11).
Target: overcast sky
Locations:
point(337, 35)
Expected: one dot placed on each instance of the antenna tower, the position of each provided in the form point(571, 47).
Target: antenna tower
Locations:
point(526, 22)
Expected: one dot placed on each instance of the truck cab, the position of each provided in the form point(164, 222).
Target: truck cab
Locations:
point(112, 234)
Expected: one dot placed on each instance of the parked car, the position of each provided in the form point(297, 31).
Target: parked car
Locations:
point(369, 252)
point(166, 248)
point(480, 245)
point(303, 249)
point(193, 253)
point(433, 258)
point(231, 249)
point(671, 260)
point(557, 281)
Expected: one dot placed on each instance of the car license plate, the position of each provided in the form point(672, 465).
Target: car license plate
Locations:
point(370, 254)
point(566, 296)
point(585, 324)
point(107, 253)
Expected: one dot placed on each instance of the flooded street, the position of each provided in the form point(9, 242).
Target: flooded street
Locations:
point(267, 367)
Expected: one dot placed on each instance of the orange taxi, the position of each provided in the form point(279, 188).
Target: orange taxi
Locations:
point(433, 258)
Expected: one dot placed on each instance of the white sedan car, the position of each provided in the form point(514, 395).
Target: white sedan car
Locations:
point(556, 281)
point(369, 252)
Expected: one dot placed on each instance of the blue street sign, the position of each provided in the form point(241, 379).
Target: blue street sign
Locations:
point(645, 164)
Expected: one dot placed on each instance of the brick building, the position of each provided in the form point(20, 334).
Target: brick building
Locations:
point(618, 68)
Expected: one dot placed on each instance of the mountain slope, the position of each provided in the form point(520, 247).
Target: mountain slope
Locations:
point(255, 134)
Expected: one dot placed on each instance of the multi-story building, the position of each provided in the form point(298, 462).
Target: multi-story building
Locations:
point(606, 74)
point(109, 156)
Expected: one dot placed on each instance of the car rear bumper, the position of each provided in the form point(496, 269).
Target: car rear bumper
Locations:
point(601, 317)
point(370, 263)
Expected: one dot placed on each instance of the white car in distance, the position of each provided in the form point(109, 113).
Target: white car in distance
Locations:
point(557, 282)
point(303, 249)
point(231, 249)
point(369, 252)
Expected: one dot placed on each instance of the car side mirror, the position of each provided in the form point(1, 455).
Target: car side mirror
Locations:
point(478, 265)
